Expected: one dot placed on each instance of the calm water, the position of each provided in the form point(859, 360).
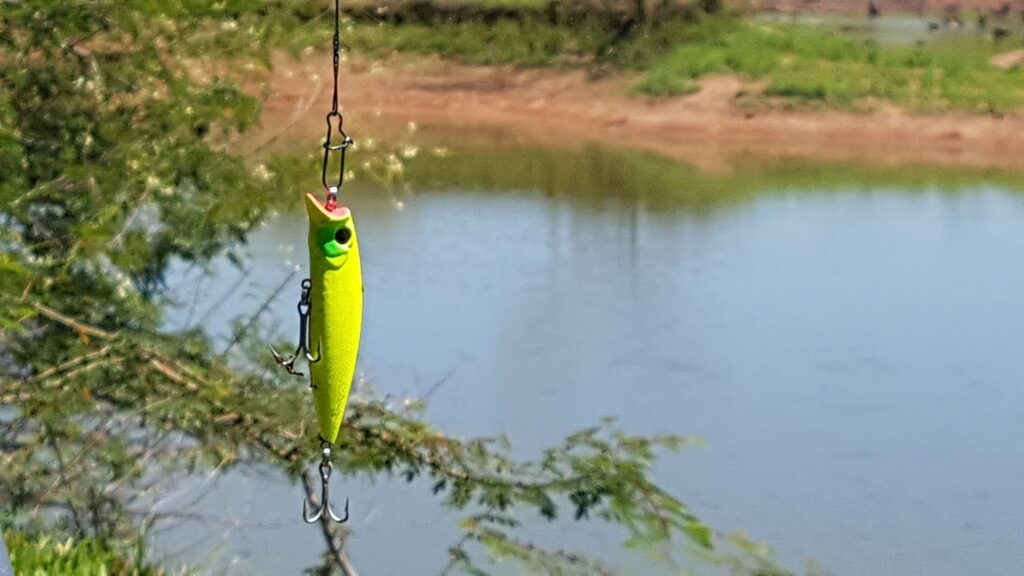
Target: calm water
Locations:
point(850, 344)
point(899, 29)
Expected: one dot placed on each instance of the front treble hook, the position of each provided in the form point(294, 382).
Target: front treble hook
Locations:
point(311, 516)
point(303, 347)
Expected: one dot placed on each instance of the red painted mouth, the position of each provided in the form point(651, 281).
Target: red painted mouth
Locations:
point(335, 212)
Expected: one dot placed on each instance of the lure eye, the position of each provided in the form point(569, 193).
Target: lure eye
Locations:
point(333, 241)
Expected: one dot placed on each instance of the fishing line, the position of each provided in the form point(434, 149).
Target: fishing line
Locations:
point(333, 189)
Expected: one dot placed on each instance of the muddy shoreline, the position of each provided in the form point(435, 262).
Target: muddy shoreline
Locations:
point(564, 108)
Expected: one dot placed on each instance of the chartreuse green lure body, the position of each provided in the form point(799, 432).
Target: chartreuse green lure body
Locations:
point(336, 311)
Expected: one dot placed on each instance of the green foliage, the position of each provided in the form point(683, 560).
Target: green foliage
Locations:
point(599, 473)
point(531, 43)
point(41, 555)
point(114, 140)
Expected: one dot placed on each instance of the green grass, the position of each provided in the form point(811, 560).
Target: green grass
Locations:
point(806, 65)
point(42, 555)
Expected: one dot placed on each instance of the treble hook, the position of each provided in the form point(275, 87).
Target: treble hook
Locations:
point(303, 347)
point(325, 498)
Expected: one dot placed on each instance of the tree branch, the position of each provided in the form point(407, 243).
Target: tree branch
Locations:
point(75, 325)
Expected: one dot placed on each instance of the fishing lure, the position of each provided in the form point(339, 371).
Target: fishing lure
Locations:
point(336, 292)
point(331, 304)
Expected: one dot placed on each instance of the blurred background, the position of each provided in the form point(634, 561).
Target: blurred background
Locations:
point(651, 287)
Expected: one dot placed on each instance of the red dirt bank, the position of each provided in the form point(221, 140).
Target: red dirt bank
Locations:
point(565, 108)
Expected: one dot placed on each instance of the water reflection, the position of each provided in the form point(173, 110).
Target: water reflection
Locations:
point(898, 29)
point(848, 341)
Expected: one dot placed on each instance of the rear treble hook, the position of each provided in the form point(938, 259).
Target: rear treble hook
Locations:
point(303, 347)
point(311, 516)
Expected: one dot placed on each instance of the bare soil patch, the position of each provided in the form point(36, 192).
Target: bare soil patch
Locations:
point(565, 108)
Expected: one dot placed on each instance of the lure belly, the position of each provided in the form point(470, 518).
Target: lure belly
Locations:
point(336, 302)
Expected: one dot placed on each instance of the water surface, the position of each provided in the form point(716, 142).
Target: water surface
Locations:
point(849, 342)
point(902, 29)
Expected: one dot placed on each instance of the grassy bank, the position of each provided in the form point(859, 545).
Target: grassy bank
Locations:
point(787, 65)
point(803, 65)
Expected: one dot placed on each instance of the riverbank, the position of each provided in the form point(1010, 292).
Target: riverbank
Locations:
point(710, 128)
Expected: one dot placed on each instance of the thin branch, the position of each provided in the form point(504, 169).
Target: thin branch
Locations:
point(456, 558)
point(266, 304)
point(80, 327)
point(119, 237)
point(52, 441)
point(218, 304)
point(28, 288)
point(84, 358)
point(437, 386)
point(299, 113)
point(37, 188)
point(87, 368)
point(173, 374)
